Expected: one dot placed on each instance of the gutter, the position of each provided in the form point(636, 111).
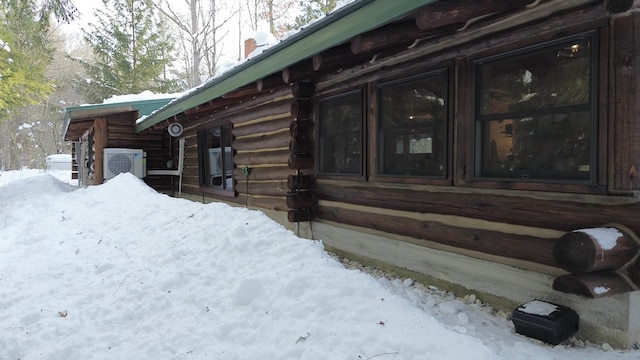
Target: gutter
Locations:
point(338, 27)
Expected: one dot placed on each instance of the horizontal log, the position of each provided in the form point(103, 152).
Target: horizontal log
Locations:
point(267, 203)
point(592, 285)
point(618, 6)
point(522, 247)
point(302, 109)
point(303, 90)
point(262, 157)
point(262, 127)
point(393, 35)
point(300, 182)
point(301, 215)
point(265, 111)
point(268, 141)
point(300, 199)
point(270, 82)
point(261, 188)
point(265, 173)
point(301, 144)
point(337, 58)
point(592, 249)
point(555, 214)
point(298, 73)
point(300, 161)
point(301, 128)
point(446, 13)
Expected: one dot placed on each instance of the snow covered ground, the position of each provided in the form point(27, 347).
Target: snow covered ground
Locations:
point(119, 271)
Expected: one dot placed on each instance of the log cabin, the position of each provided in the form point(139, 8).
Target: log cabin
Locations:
point(491, 146)
point(91, 128)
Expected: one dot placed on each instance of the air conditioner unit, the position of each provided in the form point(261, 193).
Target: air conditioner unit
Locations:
point(118, 160)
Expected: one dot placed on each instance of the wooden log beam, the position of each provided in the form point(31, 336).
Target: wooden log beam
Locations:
point(301, 215)
point(262, 127)
point(302, 128)
point(557, 214)
point(592, 285)
point(262, 157)
point(618, 6)
point(300, 182)
point(270, 82)
point(302, 109)
point(265, 173)
point(338, 57)
point(301, 161)
point(100, 137)
point(393, 35)
point(627, 105)
point(446, 13)
point(265, 141)
point(274, 109)
point(242, 92)
point(522, 247)
point(300, 199)
point(261, 188)
point(303, 90)
point(300, 72)
point(592, 249)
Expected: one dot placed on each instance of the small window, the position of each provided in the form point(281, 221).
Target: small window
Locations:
point(340, 134)
point(216, 158)
point(412, 127)
point(535, 113)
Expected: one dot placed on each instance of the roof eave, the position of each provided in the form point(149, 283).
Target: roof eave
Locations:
point(354, 19)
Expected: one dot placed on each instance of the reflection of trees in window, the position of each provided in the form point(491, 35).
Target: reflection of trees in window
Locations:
point(412, 120)
point(535, 112)
point(340, 129)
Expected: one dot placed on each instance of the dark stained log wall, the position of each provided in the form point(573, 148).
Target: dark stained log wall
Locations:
point(540, 207)
point(261, 139)
point(627, 107)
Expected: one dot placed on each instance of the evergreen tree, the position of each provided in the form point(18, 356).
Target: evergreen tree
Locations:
point(132, 51)
point(24, 55)
point(312, 10)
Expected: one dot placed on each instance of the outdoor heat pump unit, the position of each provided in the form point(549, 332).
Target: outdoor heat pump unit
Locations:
point(119, 160)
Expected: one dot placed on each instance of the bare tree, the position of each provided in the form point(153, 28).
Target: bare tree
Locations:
point(200, 28)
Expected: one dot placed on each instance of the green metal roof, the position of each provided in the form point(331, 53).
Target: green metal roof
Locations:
point(338, 27)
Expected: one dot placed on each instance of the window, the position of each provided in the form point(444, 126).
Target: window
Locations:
point(412, 122)
point(340, 134)
point(216, 158)
point(536, 113)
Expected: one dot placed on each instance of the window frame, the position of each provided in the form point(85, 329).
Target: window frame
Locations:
point(415, 74)
point(597, 110)
point(203, 159)
point(361, 176)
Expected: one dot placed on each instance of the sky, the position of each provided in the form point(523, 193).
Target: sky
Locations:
point(119, 271)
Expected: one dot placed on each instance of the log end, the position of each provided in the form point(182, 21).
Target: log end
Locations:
point(592, 285)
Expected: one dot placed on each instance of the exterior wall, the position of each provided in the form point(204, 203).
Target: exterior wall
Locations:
point(485, 236)
point(261, 143)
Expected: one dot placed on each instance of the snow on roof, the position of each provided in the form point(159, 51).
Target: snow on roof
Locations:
point(145, 95)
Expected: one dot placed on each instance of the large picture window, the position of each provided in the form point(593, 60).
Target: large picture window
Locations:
point(412, 122)
point(535, 112)
point(340, 134)
point(216, 158)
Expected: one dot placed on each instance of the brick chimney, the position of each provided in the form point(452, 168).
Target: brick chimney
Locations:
point(249, 46)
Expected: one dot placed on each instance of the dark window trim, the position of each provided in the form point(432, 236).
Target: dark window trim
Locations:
point(411, 75)
point(363, 134)
point(203, 156)
point(595, 184)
